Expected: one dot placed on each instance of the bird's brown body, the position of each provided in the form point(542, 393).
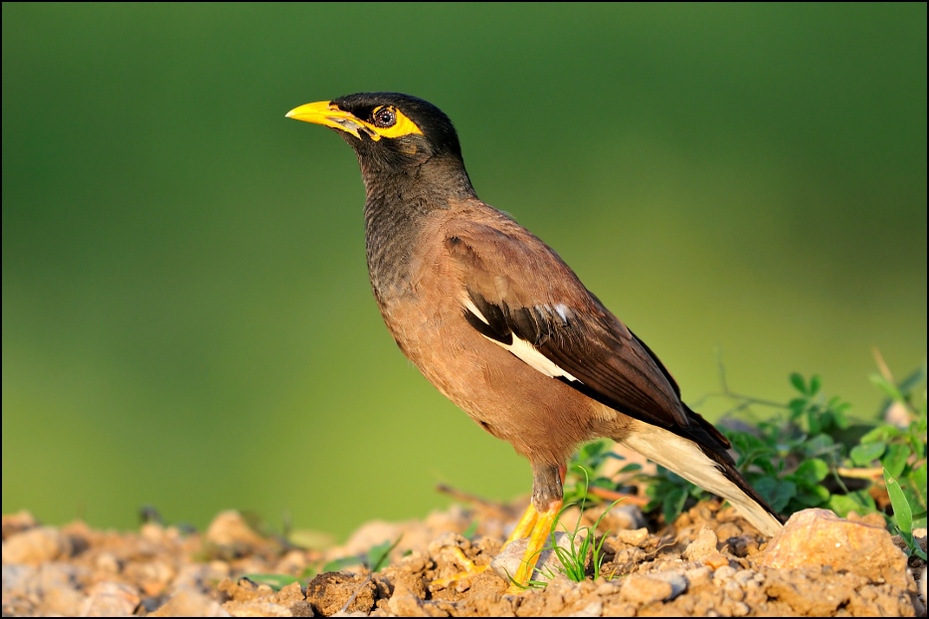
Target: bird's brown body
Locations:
point(500, 324)
point(539, 416)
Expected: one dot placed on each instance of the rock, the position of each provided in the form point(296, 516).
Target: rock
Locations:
point(153, 575)
point(36, 545)
point(155, 531)
point(106, 573)
point(56, 589)
point(190, 603)
point(245, 598)
point(107, 562)
point(628, 517)
point(289, 595)
point(110, 599)
point(794, 588)
point(699, 576)
point(874, 519)
point(16, 578)
point(593, 609)
point(405, 603)
point(633, 537)
point(724, 573)
point(229, 529)
point(703, 546)
point(716, 560)
point(328, 593)
point(17, 523)
point(192, 575)
point(677, 581)
point(607, 588)
point(243, 590)
point(644, 589)
point(919, 535)
point(922, 587)
point(819, 537)
point(257, 608)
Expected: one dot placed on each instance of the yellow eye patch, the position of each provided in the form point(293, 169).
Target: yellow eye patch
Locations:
point(329, 115)
point(401, 126)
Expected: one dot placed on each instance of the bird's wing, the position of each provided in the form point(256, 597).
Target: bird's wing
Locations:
point(517, 292)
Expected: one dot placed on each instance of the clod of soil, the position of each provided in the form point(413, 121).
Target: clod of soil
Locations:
point(709, 563)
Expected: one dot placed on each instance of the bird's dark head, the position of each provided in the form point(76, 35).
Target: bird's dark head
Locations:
point(386, 129)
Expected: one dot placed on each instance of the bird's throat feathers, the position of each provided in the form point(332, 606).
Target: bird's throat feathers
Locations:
point(394, 214)
point(394, 178)
point(398, 201)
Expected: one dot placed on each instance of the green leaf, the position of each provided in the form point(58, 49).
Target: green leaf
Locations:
point(745, 442)
point(815, 383)
point(764, 463)
point(811, 471)
point(918, 481)
point(797, 381)
point(819, 444)
point(838, 409)
point(337, 565)
point(883, 433)
point(903, 515)
point(470, 531)
point(895, 459)
point(856, 502)
point(864, 455)
point(377, 556)
point(275, 581)
point(674, 504)
point(796, 406)
point(777, 492)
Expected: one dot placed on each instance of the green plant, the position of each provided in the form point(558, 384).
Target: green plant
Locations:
point(669, 493)
point(275, 581)
point(811, 453)
point(375, 559)
point(573, 559)
point(903, 515)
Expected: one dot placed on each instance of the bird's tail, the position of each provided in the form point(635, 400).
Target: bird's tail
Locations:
point(700, 461)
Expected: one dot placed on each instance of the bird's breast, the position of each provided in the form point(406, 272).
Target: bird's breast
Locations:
point(541, 417)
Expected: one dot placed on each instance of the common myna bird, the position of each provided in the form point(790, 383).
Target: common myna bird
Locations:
point(496, 320)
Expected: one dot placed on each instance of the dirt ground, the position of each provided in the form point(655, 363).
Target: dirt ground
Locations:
point(709, 563)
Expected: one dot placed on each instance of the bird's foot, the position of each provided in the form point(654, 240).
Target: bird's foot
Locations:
point(536, 527)
point(461, 581)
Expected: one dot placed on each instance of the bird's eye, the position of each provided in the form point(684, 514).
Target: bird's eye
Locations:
point(385, 117)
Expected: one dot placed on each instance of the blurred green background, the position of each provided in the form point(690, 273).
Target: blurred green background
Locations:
point(187, 320)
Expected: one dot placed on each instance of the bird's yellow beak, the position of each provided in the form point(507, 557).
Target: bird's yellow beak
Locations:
point(326, 114)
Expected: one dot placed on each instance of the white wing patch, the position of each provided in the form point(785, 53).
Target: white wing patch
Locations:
point(564, 312)
point(471, 307)
point(527, 353)
point(524, 350)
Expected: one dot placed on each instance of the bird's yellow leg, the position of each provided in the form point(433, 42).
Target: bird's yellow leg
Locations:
point(538, 536)
point(525, 525)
